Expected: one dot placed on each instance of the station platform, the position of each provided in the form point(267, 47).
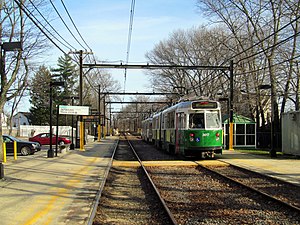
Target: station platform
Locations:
point(60, 190)
point(281, 168)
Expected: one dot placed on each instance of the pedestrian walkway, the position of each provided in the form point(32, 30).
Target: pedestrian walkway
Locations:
point(284, 169)
point(60, 190)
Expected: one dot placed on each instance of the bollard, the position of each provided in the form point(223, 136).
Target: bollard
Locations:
point(15, 151)
point(1, 170)
point(50, 153)
point(4, 152)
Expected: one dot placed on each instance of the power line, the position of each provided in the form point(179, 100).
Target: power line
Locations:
point(261, 41)
point(24, 8)
point(51, 25)
point(272, 46)
point(74, 25)
point(66, 24)
point(260, 69)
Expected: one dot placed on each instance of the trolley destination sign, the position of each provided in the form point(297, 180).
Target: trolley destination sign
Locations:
point(74, 110)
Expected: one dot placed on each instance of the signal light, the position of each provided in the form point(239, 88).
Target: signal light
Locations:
point(217, 135)
point(192, 134)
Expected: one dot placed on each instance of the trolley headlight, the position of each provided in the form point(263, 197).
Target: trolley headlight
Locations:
point(192, 136)
point(217, 136)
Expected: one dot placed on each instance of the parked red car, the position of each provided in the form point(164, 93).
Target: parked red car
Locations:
point(44, 139)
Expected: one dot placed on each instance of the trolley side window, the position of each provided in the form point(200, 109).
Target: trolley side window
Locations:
point(196, 120)
point(213, 120)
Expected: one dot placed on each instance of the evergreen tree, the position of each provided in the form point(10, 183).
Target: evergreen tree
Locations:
point(39, 97)
point(66, 71)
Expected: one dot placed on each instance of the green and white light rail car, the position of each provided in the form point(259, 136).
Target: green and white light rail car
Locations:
point(190, 128)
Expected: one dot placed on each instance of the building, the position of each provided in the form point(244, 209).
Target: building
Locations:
point(21, 118)
point(244, 131)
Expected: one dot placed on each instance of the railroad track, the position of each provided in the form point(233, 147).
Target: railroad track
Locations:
point(274, 189)
point(130, 196)
point(193, 194)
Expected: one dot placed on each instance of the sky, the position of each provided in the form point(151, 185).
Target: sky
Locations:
point(104, 25)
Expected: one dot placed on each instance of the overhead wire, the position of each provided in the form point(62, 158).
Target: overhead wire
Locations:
point(260, 69)
point(70, 46)
point(75, 25)
point(57, 12)
point(78, 32)
point(261, 41)
point(36, 22)
point(272, 46)
point(129, 38)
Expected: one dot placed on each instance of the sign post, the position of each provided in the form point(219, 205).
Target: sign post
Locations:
point(78, 111)
point(74, 110)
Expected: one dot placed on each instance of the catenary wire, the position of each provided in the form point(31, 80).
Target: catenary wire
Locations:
point(129, 39)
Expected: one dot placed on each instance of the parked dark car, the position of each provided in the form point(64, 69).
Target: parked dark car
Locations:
point(44, 139)
point(23, 147)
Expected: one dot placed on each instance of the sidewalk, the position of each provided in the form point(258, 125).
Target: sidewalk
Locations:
point(284, 169)
point(60, 190)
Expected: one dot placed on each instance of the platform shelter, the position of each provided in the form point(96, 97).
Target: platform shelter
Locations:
point(244, 131)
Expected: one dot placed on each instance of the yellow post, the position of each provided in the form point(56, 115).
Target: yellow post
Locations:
point(99, 132)
point(15, 151)
point(4, 152)
point(81, 138)
point(230, 136)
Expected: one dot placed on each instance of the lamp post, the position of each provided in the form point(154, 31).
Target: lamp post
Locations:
point(226, 99)
point(6, 47)
point(50, 153)
point(272, 149)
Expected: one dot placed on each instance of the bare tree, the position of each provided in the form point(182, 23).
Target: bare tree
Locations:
point(14, 26)
point(197, 46)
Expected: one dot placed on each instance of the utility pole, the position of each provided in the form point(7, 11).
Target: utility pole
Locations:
point(231, 107)
point(81, 124)
point(99, 110)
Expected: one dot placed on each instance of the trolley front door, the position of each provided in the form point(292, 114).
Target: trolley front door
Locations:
point(178, 130)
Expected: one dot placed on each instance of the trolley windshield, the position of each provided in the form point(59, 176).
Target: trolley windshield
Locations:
point(209, 119)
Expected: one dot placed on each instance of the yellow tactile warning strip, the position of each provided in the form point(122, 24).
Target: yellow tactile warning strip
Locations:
point(169, 163)
point(212, 163)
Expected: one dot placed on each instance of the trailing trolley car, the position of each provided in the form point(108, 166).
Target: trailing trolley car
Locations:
point(146, 133)
point(190, 128)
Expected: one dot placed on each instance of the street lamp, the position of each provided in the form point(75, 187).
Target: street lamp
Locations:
point(6, 47)
point(50, 153)
point(266, 87)
point(226, 99)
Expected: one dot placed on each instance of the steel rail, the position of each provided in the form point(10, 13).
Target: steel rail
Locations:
point(295, 208)
point(170, 215)
point(268, 176)
point(101, 187)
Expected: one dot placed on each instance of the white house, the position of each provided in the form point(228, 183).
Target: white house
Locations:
point(21, 118)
